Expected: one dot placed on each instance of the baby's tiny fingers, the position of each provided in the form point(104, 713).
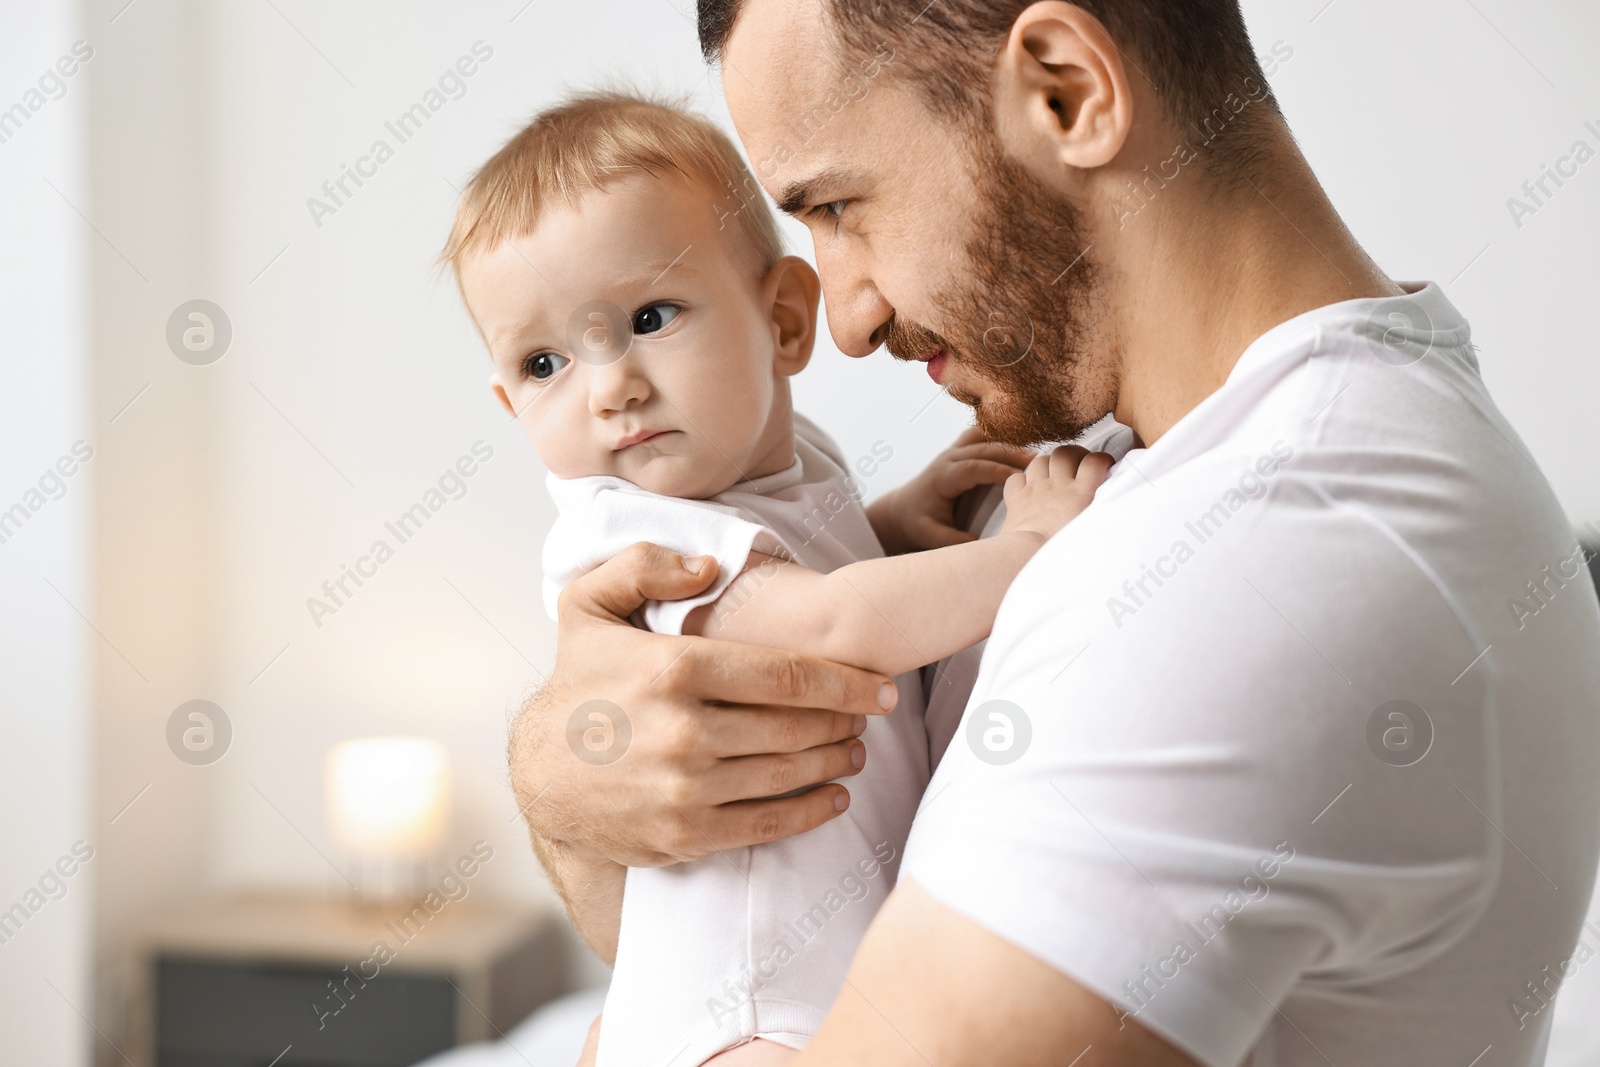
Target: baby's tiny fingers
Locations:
point(1064, 461)
point(1094, 468)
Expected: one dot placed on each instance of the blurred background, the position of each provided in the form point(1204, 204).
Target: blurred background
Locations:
point(227, 379)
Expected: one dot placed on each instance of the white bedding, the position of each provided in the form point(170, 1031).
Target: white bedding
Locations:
point(550, 1037)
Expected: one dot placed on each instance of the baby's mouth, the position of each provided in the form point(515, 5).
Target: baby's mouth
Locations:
point(639, 437)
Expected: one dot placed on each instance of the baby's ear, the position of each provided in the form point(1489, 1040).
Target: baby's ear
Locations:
point(793, 290)
point(499, 392)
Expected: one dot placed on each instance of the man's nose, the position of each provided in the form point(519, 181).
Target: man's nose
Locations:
point(858, 315)
point(615, 385)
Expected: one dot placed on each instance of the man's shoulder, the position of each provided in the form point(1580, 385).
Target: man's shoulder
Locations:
point(1350, 485)
point(1263, 552)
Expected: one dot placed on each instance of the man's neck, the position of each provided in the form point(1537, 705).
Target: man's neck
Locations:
point(1216, 270)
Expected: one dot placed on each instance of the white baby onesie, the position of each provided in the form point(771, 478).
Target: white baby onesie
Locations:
point(752, 942)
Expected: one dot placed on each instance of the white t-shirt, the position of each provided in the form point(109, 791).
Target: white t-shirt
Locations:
point(750, 942)
point(1289, 745)
point(946, 685)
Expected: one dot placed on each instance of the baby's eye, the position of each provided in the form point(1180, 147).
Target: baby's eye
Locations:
point(542, 365)
point(655, 317)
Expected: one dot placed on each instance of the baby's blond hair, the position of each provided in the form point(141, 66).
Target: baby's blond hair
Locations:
point(593, 139)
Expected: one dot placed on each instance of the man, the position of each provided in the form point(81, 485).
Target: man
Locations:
point(1280, 753)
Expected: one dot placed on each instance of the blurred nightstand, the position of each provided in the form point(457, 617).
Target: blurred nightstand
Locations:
point(310, 982)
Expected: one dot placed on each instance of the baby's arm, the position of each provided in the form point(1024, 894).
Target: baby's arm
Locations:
point(901, 612)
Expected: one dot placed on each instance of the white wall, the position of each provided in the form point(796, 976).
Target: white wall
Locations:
point(157, 595)
point(1422, 118)
point(232, 491)
point(45, 644)
point(357, 342)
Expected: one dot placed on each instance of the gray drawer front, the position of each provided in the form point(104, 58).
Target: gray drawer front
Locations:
point(212, 1014)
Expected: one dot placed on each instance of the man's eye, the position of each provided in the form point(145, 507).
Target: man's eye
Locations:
point(655, 317)
point(832, 211)
point(542, 365)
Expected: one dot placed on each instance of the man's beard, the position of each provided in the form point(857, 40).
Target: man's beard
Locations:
point(1022, 313)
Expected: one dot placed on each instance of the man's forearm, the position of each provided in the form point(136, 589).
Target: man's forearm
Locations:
point(591, 889)
point(589, 883)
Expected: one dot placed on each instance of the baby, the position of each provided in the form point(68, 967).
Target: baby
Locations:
point(643, 323)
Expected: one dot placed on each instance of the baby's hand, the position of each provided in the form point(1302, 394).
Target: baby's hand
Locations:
point(921, 513)
point(1053, 490)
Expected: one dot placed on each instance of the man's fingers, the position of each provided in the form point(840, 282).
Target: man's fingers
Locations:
point(638, 573)
point(734, 673)
point(760, 731)
point(757, 777)
point(755, 822)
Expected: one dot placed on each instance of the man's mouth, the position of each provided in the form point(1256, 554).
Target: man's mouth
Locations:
point(936, 361)
point(639, 437)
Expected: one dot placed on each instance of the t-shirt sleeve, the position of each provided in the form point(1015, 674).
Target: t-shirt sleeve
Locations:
point(1192, 819)
point(599, 517)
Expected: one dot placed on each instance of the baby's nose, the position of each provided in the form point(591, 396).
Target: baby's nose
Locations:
point(615, 385)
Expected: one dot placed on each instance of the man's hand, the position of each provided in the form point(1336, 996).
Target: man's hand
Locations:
point(921, 514)
point(714, 730)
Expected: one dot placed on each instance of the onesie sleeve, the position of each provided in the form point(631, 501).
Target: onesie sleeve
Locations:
point(598, 517)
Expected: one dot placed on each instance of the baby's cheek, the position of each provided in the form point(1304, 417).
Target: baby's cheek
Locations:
point(688, 478)
point(722, 406)
point(566, 454)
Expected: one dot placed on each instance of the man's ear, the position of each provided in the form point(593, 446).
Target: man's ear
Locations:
point(499, 392)
point(1061, 94)
point(792, 289)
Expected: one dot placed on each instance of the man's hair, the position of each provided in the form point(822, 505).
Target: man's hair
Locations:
point(1196, 53)
point(592, 140)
